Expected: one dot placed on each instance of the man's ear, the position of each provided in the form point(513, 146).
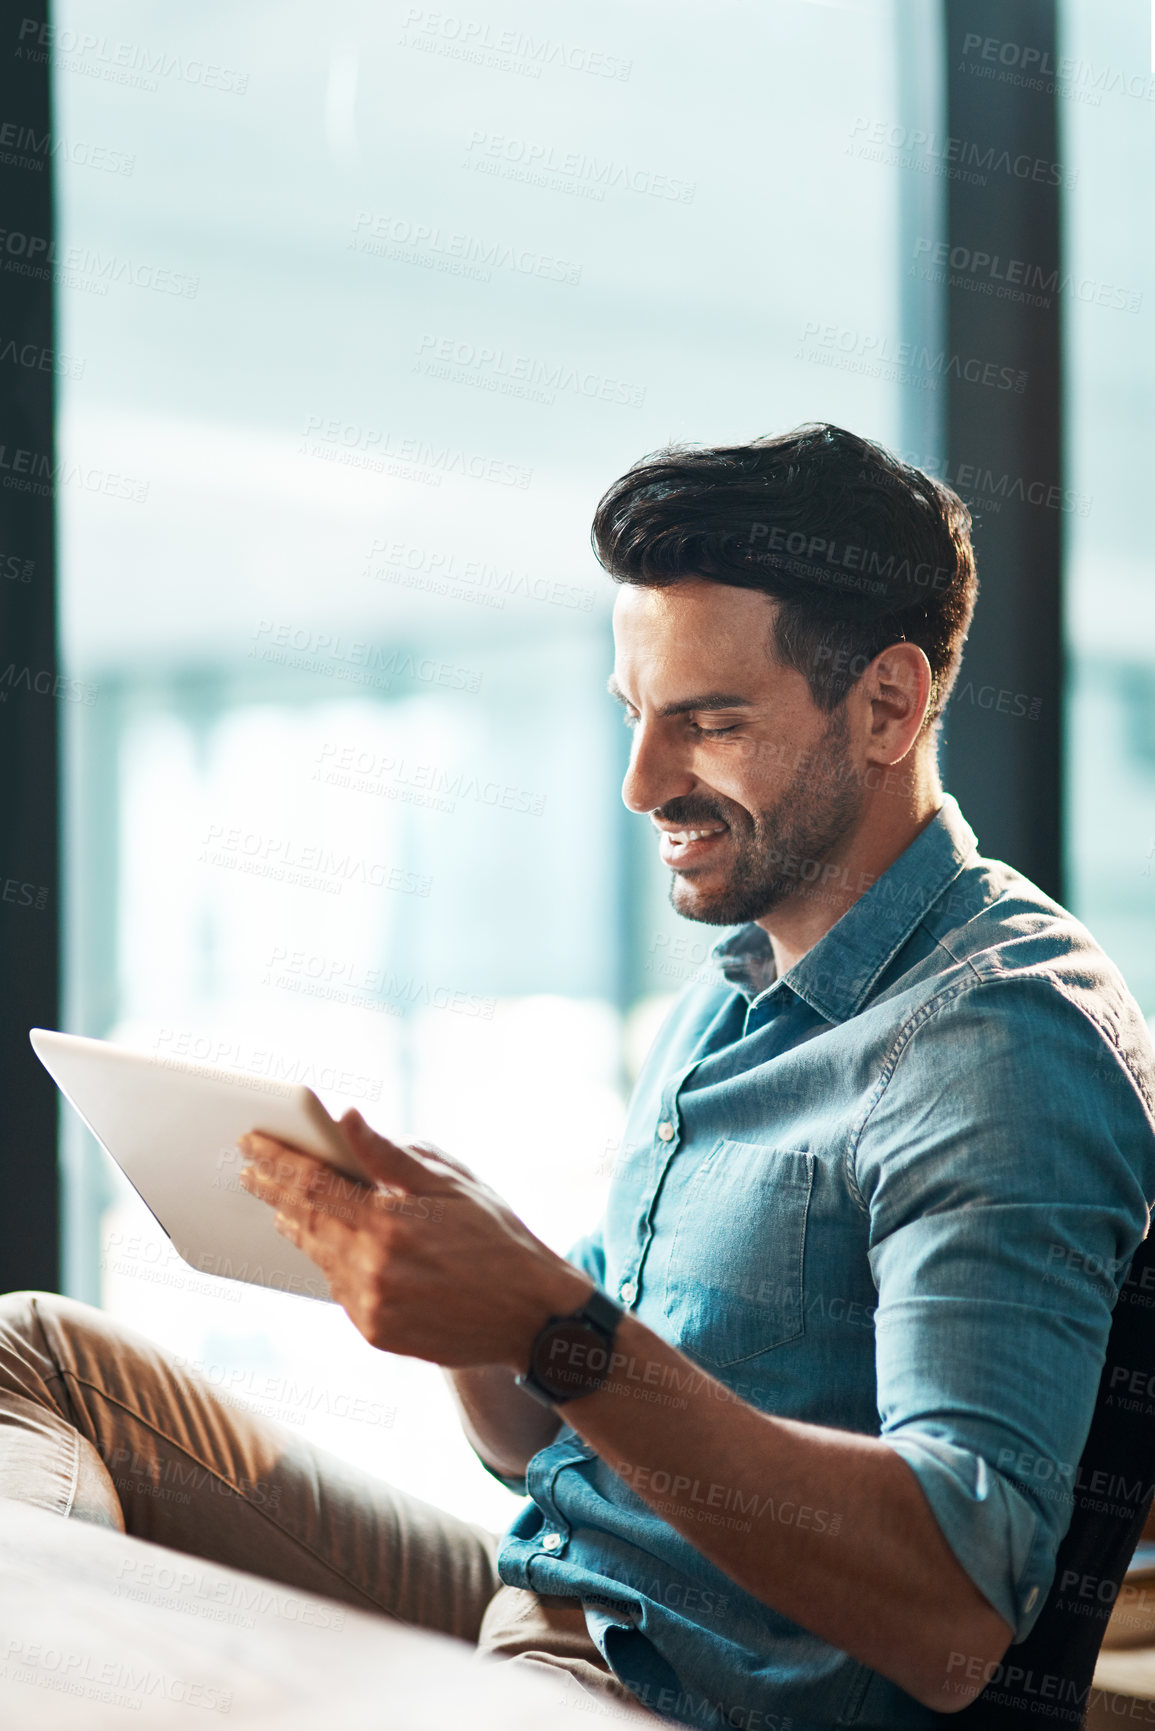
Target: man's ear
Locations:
point(897, 686)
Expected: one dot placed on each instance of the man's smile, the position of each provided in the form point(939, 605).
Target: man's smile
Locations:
point(688, 844)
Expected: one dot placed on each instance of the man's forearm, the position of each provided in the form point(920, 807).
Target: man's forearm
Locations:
point(829, 1527)
point(885, 1587)
point(504, 1424)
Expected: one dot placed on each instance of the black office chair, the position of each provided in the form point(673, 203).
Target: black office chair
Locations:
point(1047, 1679)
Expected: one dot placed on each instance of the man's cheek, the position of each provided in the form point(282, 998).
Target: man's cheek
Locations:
point(758, 758)
point(744, 749)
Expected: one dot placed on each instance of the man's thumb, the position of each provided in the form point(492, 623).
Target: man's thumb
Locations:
point(386, 1161)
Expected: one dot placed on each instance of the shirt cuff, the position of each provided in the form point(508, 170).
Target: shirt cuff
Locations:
point(519, 1486)
point(990, 1526)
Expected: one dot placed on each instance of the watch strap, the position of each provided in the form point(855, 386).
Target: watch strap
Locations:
point(601, 1310)
point(598, 1312)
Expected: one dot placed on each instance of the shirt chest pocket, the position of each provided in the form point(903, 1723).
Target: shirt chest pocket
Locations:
point(734, 1274)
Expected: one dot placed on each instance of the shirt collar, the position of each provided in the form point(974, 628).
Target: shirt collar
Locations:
point(835, 976)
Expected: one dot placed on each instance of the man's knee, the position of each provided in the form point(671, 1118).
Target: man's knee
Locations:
point(22, 1310)
point(18, 1309)
point(47, 1327)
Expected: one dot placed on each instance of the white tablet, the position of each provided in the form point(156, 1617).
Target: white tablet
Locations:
point(173, 1127)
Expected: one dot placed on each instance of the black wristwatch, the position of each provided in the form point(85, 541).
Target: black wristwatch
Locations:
point(570, 1355)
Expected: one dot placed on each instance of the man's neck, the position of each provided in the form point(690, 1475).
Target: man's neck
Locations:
point(889, 822)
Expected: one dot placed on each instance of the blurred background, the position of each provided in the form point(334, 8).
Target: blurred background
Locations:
point(358, 311)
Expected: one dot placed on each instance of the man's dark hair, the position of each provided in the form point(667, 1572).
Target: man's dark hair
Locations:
point(860, 549)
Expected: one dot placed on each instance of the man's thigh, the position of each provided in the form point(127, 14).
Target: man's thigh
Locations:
point(95, 1419)
point(546, 1632)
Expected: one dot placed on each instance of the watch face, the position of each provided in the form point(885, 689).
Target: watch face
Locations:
point(571, 1358)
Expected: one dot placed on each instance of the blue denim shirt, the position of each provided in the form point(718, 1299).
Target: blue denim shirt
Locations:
point(894, 1191)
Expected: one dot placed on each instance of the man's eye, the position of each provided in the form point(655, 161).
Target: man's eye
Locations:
point(713, 732)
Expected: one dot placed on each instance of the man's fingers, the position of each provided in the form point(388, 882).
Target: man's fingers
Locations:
point(282, 1176)
point(386, 1161)
point(435, 1153)
point(277, 1161)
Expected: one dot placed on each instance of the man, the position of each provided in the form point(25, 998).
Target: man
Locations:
point(792, 1420)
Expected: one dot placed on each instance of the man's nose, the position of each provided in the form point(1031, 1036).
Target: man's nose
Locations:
point(655, 775)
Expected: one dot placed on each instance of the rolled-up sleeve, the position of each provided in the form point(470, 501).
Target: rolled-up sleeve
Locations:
point(1006, 1162)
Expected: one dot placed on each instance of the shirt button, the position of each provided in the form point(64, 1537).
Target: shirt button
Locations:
point(550, 1541)
point(666, 1130)
point(628, 1291)
point(1032, 1596)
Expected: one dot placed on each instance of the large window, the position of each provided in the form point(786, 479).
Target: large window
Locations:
point(1107, 108)
point(367, 306)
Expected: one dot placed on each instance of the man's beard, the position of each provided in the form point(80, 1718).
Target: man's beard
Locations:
point(779, 853)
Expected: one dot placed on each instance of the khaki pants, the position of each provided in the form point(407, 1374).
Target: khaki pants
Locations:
point(96, 1423)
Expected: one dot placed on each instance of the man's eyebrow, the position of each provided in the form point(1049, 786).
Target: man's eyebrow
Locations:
point(689, 705)
point(709, 700)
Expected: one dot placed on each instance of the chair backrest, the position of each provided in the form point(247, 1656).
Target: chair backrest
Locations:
point(1048, 1677)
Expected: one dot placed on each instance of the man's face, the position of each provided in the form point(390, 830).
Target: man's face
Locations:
point(751, 786)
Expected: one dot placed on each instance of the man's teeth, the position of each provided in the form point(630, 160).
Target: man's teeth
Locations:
point(683, 836)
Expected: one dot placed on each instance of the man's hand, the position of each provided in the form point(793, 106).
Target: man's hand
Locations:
point(838, 1537)
point(428, 1260)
